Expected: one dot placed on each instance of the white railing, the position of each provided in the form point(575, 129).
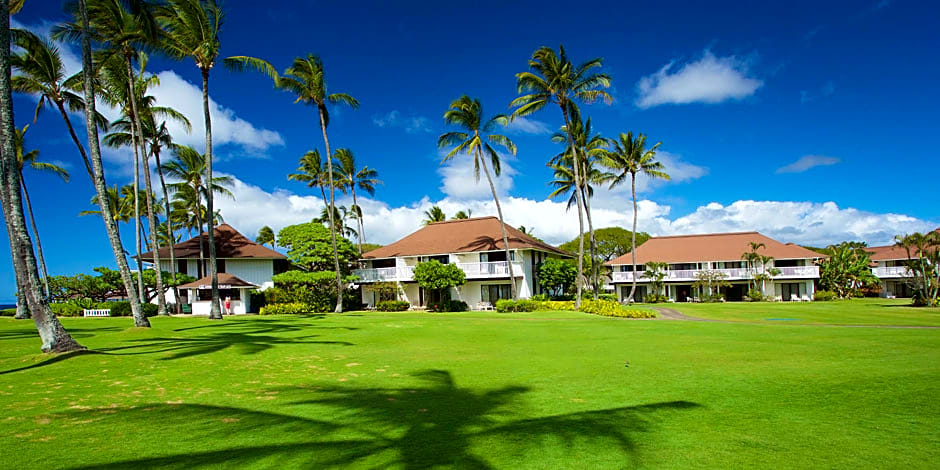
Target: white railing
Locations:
point(891, 271)
point(406, 273)
point(730, 274)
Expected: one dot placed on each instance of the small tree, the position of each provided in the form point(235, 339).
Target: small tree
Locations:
point(710, 283)
point(310, 247)
point(386, 290)
point(438, 278)
point(656, 272)
point(847, 270)
point(557, 276)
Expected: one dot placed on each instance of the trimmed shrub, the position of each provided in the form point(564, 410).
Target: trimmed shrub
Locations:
point(611, 297)
point(608, 308)
point(275, 295)
point(118, 309)
point(539, 297)
point(8, 312)
point(523, 305)
point(450, 306)
point(824, 296)
point(655, 298)
point(555, 305)
point(66, 309)
point(150, 310)
point(293, 308)
point(755, 295)
point(392, 306)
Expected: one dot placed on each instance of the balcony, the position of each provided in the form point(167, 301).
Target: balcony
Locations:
point(882, 272)
point(489, 270)
point(732, 274)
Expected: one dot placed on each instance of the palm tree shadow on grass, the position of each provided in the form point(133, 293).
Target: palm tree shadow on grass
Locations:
point(438, 424)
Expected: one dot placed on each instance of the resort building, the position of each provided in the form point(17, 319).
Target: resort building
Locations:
point(687, 255)
point(242, 265)
point(890, 267)
point(475, 246)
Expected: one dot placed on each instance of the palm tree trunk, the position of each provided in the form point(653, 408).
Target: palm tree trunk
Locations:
point(201, 269)
point(633, 237)
point(32, 221)
point(22, 312)
point(54, 337)
point(502, 225)
point(352, 188)
point(594, 266)
point(329, 176)
point(577, 188)
point(169, 223)
point(137, 228)
point(78, 143)
point(101, 187)
point(214, 311)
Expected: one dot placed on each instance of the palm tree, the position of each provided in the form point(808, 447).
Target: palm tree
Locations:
point(340, 216)
point(752, 258)
point(434, 214)
point(554, 79)
point(31, 159)
point(40, 72)
point(122, 207)
point(312, 170)
point(477, 140)
point(462, 215)
point(54, 337)
point(352, 177)
point(591, 147)
point(189, 169)
point(629, 156)
point(265, 236)
point(305, 78)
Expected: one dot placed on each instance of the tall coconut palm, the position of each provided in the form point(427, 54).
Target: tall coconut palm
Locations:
point(352, 177)
point(628, 157)
point(265, 236)
point(31, 159)
point(553, 78)
point(476, 140)
point(340, 216)
point(54, 337)
point(434, 214)
point(590, 146)
point(305, 78)
point(189, 169)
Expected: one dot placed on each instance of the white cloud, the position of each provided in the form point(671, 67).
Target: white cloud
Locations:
point(679, 171)
point(708, 80)
point(521, 125)
point(808, 223)
point(458, 182)
point(411, 124)
point(806, 162)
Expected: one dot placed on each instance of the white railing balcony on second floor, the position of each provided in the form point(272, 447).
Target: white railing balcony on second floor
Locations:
point(490, 269)
point(731, 274)
point(401, 273)
point(891, 271)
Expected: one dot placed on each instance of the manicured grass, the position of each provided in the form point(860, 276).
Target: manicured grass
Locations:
point(838, 312)
point(540, 390)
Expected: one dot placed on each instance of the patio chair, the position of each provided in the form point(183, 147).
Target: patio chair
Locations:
point(794, 298)
point(484, 306)
point(806, 298)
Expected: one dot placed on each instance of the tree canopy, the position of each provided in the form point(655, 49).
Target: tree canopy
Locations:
point(309, 247)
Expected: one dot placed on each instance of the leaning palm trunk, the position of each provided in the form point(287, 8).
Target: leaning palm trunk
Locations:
point(360, 235)
point(101, 187)
point(78, 143)
point(594, 266)
point(32, 221)
point(53, 336)
point(137, 227)
point(214, 311)
point(22, 312)
point(633, 237)
point(166, 204)
point(578, 198)
point(502, 225)
point(329, 176)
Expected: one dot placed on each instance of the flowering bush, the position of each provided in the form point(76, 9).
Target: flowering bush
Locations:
point(293, 308)
point(608, 308)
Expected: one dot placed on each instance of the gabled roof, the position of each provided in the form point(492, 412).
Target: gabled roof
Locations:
point(711, 247)
point(228, 244)
point(225, 279)
point(461, 236)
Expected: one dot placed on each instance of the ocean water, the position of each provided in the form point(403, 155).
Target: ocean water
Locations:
point(4, 306)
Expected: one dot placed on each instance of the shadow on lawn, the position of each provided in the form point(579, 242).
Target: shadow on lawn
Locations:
point(247, 337)
point(438, 424)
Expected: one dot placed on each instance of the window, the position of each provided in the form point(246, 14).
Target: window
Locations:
point(683, 266)
point(206, 294)
point(494, 292)
point(181, 266)
point(780, 263)
point(443, 259)
point(220, 265)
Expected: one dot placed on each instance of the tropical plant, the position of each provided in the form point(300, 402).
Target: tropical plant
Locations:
point(351, 177)
point(756, 265)
point(438, 278)
point(265, 236)
point(923, 260)
point(656, 271)
point(340, 216)
point(556, 276)
point(308, 247)
point(628, 156)
point(847, 269)
point(464, 214)
point(553, 78)
point(709, 282)
point(54, 337)
point(476, 139)
point(434, 214)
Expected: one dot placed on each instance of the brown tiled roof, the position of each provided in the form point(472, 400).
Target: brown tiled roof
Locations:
point(711, 247)
point(224, 279)
point(460, 236)
point(228, 244)
point(890, 252)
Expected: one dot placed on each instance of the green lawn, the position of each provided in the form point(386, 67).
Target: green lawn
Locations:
point(840, 312)
point(415, 390)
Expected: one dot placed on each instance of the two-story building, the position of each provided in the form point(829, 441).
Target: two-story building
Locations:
point(475, 246)
point(687, 255)
point(241, 263)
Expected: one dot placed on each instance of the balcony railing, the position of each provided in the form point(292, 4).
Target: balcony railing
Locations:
point(891, 271)
point(492, 269)
point(731, 274)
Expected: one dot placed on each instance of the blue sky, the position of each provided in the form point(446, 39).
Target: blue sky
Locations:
point(813, 122)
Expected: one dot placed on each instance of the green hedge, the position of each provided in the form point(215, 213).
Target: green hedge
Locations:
point(392, 306)
point(450, 306)
point(293, 308)
point(824, 296)
point(522, 305)
point(315, 289)
point(8, 312)
point(608, 308)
